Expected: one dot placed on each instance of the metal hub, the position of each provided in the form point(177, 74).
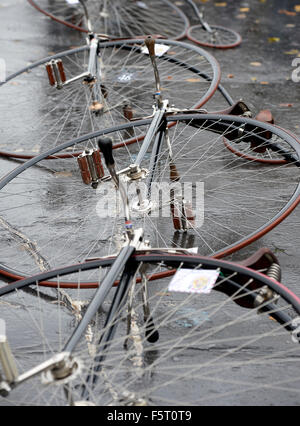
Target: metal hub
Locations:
point(62, 372)
point(142, 207)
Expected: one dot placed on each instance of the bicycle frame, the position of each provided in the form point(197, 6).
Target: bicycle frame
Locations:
point(200, 15)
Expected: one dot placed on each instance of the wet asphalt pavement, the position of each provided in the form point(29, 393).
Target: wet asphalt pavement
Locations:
point(26, 36)
point(259, 72)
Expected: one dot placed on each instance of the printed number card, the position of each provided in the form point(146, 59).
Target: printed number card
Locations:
point(194, 281)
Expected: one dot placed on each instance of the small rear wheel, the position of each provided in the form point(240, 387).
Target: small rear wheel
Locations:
point(219, 38)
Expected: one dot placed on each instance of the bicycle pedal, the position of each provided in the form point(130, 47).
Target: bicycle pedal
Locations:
point(91, 167)
point(56, 73)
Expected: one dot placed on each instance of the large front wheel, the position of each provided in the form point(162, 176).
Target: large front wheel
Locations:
point(44, 117)
point(203, 337)
point(233, 201)
point(218, 38)
point(118, 18)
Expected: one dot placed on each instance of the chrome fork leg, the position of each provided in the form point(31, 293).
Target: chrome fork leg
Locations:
point(151, 333)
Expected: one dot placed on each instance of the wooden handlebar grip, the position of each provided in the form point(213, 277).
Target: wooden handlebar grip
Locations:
point(150, 43)
point(105, 145)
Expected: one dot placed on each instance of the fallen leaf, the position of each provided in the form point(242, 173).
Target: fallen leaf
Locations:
point(64, 174)
point(292, 52)
point(192, 80)
point(255, 64)
point(273, 39)
point(241, 16)
point(297, 8)
point(290, 25)
point(230, 75)
point(287, 12)
point(223, 4)
point(264, 82)
point(244, 9)
point(253, 78)
point(286, 105)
